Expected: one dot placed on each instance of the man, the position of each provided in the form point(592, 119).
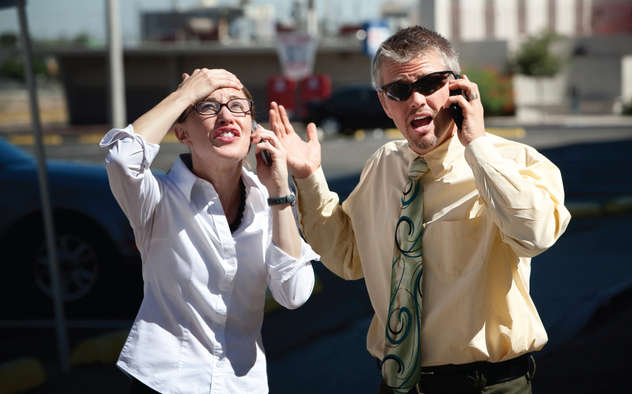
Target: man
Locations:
point(449, 279)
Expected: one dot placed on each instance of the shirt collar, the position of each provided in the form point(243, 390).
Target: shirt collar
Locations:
point(441, 158)
point(184, 178)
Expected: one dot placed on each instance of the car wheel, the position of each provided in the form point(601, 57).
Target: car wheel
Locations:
point(78, 266)
point(94, 282)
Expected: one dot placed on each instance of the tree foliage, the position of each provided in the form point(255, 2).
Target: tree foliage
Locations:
point(535, 58)
point(496, 90)
point(8, 40)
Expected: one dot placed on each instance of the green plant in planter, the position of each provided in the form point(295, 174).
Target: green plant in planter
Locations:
point(496, 90)
point(534, 58)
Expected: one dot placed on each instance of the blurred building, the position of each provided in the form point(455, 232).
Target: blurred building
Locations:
point(210, 21)
point(595, 40)
point(513, 20)
point(510, 20)
point(241, 37)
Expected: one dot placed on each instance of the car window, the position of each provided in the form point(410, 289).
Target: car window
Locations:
point(351, 99)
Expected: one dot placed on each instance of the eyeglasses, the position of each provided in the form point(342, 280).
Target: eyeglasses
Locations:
point(237, 106)
point(234, 105)
point(426, 85)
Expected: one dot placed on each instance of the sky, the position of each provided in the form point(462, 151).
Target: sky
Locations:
point(51, 19)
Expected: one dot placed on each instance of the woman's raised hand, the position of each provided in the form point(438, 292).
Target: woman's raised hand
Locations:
point(203, 81)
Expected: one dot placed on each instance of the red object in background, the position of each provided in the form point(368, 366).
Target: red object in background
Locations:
point(282, 90)
point(314, 87)
point(612, 17)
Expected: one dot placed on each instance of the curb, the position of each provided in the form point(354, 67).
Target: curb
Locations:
point(28, 373)
point(21, 375)
point(59, 139)
point(103, 349)
point(584, 209)
point(25, 374)
point(54, 139)
point(505, 132)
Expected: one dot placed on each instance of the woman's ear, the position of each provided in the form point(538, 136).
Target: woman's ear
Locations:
point(181, 133)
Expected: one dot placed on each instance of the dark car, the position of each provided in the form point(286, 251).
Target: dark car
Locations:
point(348, 109)
point(98, 263)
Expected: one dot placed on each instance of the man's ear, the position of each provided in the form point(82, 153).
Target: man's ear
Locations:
point(383, 101)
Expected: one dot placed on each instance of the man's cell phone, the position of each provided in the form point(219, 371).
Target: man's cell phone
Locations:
point(265, 155)
point(455, 109)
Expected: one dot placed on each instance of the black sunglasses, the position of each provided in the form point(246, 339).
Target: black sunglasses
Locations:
point(426, 85)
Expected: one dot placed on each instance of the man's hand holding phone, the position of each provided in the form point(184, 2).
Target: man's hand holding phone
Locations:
point(455, 110)
point(466, 109)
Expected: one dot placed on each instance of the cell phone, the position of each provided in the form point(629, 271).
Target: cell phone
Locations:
point(265, 155)
point(455, 109)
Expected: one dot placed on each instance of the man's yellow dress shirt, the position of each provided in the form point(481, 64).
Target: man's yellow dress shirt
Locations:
point(488, 208)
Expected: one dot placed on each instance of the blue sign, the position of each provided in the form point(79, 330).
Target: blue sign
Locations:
point(376, 32)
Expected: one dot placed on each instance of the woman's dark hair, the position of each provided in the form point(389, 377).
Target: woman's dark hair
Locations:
point(247, 93)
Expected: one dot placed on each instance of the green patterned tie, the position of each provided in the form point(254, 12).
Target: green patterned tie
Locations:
point(402, 354)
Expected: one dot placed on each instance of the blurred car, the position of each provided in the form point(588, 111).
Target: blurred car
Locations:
point(348, 109)
point(99, 265)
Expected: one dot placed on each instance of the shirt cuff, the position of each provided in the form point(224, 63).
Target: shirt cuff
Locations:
point(310, 188)
point(127, 135)
point(282, 266)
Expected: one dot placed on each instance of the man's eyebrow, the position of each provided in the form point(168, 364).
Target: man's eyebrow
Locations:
point(400, 79)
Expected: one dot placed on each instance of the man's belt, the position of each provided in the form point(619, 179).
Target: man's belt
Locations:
point(476, 374)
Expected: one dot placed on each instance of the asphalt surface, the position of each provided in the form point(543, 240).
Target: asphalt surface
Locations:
point(580, 286)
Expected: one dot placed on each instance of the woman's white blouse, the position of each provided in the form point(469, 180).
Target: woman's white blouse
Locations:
point(198, 329)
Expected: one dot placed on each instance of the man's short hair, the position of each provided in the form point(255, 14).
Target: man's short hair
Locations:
point(409, 43)
point(186, 112)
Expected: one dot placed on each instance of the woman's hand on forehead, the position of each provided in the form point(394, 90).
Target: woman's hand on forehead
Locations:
point(222, 95)
point(203, 82)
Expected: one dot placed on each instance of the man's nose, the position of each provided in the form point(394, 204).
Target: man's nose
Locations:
point(417, 99)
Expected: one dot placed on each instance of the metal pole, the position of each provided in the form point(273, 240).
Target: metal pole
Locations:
point(427, 14)
point(312, 19)
point(117, 76)
point(60, 321)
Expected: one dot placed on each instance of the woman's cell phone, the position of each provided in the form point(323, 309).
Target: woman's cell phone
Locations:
point(455, 109)
point(265, 155)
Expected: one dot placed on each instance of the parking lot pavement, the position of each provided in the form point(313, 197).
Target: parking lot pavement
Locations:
point(324, 342)
point(29, 362)
point(332, 351)
point(593, 361)
point(596, 360)
point(588, 326)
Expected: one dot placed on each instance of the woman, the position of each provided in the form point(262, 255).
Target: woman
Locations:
point(212, 237)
